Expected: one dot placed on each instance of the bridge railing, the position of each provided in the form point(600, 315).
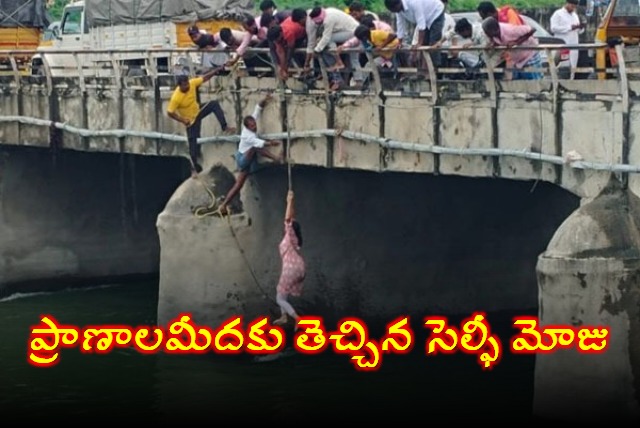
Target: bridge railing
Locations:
point(125, 67)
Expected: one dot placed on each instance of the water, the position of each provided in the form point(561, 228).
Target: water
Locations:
point(124, 386)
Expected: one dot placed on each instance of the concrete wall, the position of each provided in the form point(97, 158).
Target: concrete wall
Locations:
point(72, 216)
point(584, 116)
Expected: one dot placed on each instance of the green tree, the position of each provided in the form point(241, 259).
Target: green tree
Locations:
point(55, 10)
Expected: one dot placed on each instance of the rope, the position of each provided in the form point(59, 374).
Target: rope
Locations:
point(209, 210)
point(286, 113)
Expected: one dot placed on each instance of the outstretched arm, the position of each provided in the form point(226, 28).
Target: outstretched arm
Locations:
point(265, 100)
point(209, 74)
point(289, 214)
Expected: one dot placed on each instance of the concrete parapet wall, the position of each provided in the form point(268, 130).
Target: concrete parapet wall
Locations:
point(587, 117)
point(71, 217)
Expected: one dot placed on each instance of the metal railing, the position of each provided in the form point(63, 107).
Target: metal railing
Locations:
point(121, 67)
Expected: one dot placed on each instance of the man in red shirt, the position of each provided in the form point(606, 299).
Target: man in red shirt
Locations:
point(285, 38)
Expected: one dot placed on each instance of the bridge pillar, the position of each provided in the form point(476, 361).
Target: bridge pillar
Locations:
point(590, 276)
point(203, 270)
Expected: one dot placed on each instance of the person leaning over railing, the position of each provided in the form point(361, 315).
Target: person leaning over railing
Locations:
point(375, 41)
point(428, 18)
point(376, 24)
point(509, 35)
point(252, 36)
point(285, 38)
point(466, 35)
point(336, 28)
point(209, 42)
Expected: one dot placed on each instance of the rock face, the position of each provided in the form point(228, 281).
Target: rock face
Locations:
point(590, 276)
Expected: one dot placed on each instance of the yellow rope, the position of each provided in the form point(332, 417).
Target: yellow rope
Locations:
point(206, 211)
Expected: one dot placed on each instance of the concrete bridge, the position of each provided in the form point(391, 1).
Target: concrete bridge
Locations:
point(580, 136)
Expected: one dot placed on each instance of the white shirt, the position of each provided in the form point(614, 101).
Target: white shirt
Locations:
point(420, 13)
point(449, 24)
point(478, 37)
point(248, 138)
point(560, 25)
point(335, 21)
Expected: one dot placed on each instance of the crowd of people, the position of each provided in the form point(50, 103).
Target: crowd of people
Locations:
point(336, 37)
point(340, 37)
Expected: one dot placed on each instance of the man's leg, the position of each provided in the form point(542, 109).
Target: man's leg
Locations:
point(433, 35)
point(266, 153)
point(213, 106)
point(237, 186)
point(335, 78)
point(193, 133)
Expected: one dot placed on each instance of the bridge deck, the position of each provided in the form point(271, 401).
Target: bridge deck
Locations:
point(569, 132)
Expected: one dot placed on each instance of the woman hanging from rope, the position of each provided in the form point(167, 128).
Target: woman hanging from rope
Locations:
point(293, 268)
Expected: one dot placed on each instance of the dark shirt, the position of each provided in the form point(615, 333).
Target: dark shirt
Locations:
point(206, 40)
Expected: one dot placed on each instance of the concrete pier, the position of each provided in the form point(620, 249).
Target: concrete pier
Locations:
point(376, 245)
point(590, 276)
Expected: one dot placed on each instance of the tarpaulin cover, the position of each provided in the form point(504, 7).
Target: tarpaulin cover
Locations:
point(114, 12)
point(23, 13)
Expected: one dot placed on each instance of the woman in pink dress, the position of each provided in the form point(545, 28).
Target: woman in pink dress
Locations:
point(293, 269)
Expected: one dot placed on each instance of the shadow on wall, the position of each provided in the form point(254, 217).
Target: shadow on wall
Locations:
point(416, 243)
point(74, 218)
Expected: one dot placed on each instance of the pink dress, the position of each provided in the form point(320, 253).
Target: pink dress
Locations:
point(293, 269)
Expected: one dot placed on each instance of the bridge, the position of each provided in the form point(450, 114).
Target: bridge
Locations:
point(578, 135)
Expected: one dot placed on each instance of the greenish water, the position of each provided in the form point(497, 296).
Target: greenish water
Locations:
point(125, 386)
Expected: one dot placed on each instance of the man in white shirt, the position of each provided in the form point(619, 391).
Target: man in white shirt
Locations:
point(565, 24)
point(428, 18)
point(249, 148)
point(337, 27)
point(466, 35)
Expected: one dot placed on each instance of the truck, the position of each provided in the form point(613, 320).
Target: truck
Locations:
point(619, 24)
point(21, 26)
point(97, 27)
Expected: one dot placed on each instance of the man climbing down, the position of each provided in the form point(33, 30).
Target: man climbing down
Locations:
point(249, 148)
point(184, 108)
point(293, 267)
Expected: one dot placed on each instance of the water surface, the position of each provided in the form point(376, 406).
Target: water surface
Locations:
point(125, 386)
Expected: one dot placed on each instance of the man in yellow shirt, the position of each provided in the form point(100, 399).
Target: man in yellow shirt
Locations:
point(376, 41)
point(184, 107)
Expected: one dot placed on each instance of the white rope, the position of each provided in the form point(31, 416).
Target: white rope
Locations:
point(351, 135)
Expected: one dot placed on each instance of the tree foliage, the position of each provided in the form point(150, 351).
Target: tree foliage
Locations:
point(454, 5)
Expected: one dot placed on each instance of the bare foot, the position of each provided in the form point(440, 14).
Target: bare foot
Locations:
point(222, 210)
point(281, 320)
point(229, 131)
point(334, 86)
